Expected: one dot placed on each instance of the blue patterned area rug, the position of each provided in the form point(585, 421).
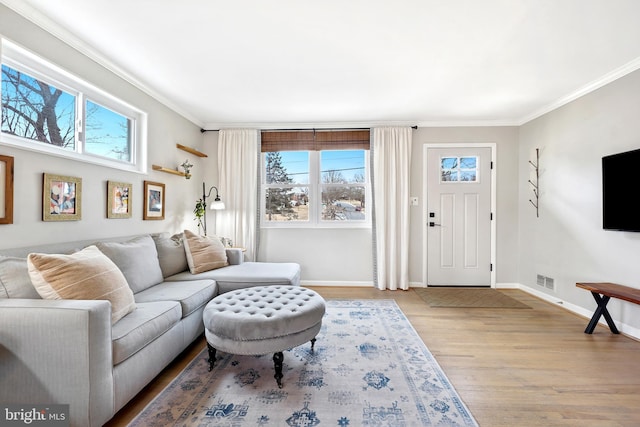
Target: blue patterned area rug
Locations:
point(369, 368)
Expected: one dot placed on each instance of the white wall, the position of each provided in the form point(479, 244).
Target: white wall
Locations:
point(166, 128)
point(567, 242)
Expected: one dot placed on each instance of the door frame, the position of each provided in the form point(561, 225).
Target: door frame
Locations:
point(425, 214)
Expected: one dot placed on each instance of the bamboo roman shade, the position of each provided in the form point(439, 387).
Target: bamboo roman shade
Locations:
point(315, 140)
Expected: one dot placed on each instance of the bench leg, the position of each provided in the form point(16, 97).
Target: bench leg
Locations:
point(277, 362)
point(212, 356)
point(601, 311)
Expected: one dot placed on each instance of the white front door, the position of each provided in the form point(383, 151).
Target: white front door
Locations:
point(458, 216)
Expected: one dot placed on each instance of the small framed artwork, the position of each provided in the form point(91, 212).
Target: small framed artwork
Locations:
point(153, 200)
point(61, 198)
point(119, 199)
point(6, 190)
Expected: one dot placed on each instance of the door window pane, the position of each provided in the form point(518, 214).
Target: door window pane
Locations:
point(459, 169)
point(36, 110)
point(107, 133)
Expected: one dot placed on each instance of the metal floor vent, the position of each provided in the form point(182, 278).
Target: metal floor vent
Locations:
point(545, 282)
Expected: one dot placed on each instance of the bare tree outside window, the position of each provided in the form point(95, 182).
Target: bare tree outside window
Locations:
point(36, 110)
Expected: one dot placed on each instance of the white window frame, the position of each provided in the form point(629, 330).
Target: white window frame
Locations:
point(25, 61)
point(315, 197)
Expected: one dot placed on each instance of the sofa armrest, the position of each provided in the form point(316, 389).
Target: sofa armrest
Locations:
point(59, 352)
point(235, 256)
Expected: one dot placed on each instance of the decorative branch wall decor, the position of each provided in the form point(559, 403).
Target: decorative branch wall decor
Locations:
point(535, 183)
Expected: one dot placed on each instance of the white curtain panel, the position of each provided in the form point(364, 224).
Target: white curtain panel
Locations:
point(237, 165)
point(391, 158)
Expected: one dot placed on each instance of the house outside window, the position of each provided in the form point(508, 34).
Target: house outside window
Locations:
point(315, 178)
point(46, 109)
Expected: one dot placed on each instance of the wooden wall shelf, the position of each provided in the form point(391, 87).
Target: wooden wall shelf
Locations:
point(191, 150)
point(167, 170)
point(177, 172)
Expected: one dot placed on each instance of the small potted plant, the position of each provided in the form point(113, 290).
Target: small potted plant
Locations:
point(199, 212)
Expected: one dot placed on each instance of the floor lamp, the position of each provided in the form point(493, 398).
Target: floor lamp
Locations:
point(217, 204)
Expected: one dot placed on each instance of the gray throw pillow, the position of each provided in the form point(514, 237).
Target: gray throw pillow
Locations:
point(14, 279)
point(171, 255)
point(137, 259)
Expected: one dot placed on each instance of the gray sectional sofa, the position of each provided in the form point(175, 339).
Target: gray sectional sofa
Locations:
point(68, 351)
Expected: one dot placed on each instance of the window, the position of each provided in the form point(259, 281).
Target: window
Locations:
point(315, 178)
point(459, 169)
point(47, 109)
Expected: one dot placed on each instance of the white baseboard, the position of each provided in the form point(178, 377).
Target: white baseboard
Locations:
point(340, 283)
point(581, 311)
point(356, 284)
point(507, 285)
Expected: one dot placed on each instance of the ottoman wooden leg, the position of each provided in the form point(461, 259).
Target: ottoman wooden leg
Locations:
point(313, 343)
point(212, 356)
point(277, 361)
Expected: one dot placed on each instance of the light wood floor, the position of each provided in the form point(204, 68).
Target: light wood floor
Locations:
point(512, 367)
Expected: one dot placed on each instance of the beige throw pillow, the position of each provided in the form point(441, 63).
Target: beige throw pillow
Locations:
point(204, 253)
point(85, 275)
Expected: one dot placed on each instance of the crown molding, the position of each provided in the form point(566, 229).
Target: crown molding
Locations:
point(612, 76)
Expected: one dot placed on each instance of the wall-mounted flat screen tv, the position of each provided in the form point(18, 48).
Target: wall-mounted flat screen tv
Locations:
point(620, 176)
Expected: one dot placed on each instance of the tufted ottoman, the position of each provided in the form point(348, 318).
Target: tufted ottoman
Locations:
point(262, 320)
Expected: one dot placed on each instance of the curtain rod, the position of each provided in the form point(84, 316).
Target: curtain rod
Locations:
point(292, 130)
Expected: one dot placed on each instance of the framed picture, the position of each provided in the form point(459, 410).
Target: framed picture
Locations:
point(6, 190)
point(119, 199)
point(61, 198)
point(153, 200)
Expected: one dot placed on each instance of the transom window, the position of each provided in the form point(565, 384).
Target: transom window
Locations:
point(459, 169)
point(315, 182)
point(44, 108)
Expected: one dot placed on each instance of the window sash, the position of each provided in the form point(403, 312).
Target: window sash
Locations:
point(28, 63)
point(315, 212)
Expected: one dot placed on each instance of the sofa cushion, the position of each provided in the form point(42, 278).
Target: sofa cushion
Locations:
point(191, 294)
point(85, 275)
point(171, 254)
point(143, 326)
point(247, 274)
point(204, 253)
point(14, 279)
point(137, 259)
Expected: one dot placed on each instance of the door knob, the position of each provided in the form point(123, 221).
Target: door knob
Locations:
point(433, 224)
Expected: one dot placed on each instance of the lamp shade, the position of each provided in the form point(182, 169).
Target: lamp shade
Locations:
point(217, 205)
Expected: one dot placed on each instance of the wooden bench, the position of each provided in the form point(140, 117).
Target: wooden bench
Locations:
point(602, 293)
